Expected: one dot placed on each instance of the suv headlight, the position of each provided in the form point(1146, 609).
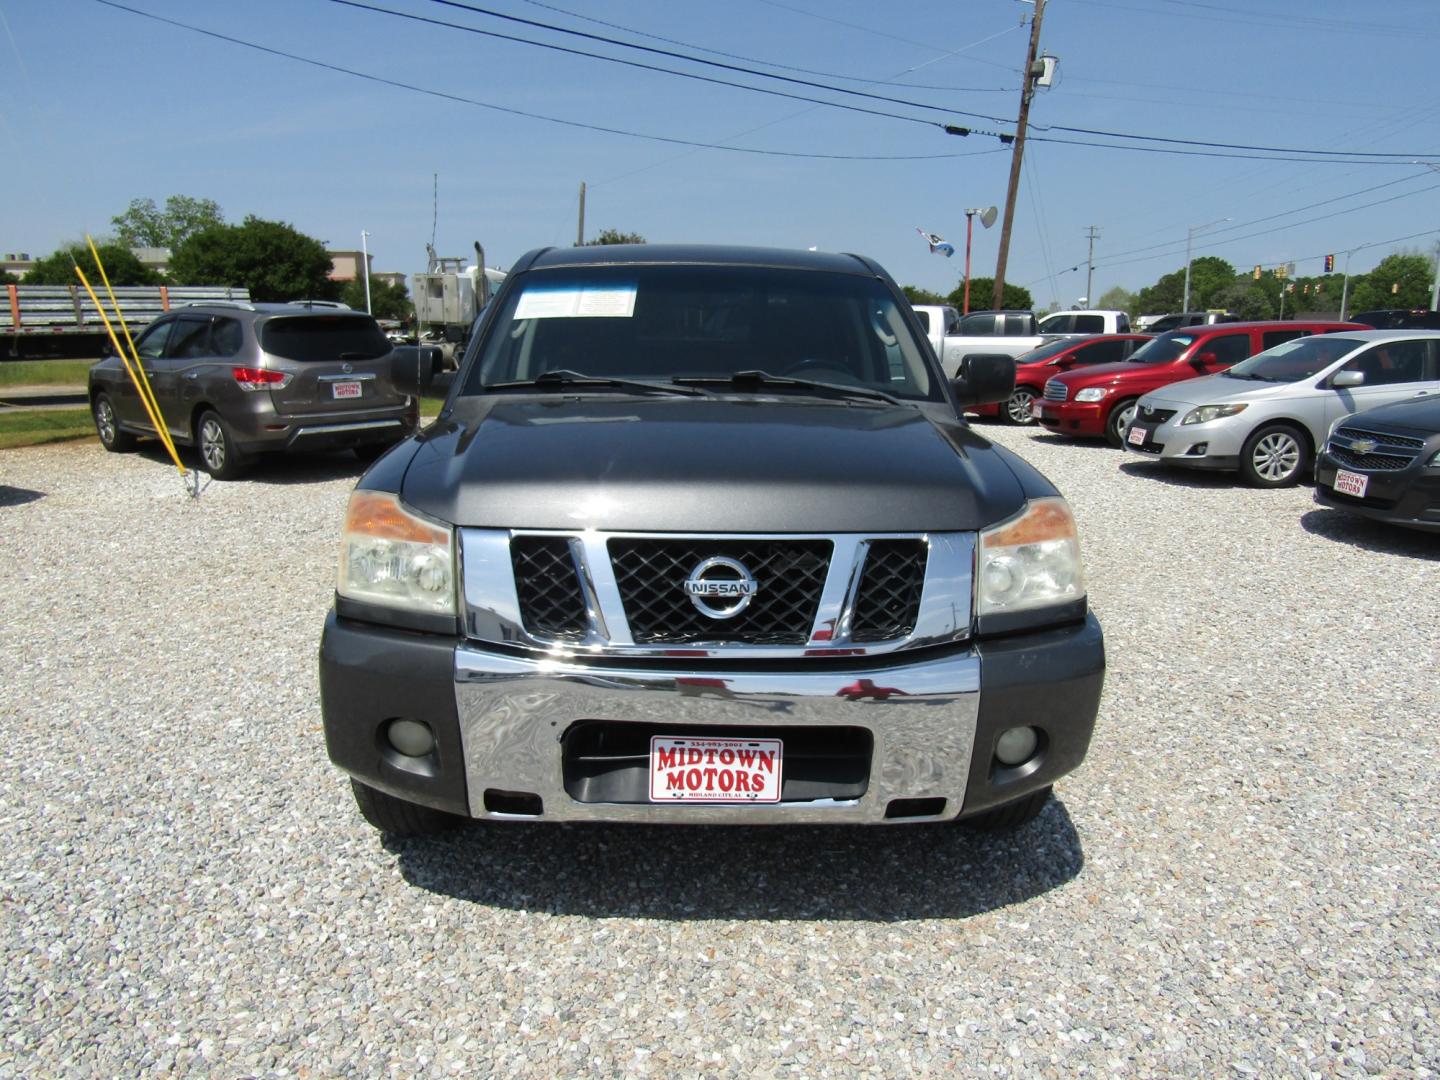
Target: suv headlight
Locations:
point(393, 557)
point(1091, 393)
point(1205, 413)
point(1030, 561)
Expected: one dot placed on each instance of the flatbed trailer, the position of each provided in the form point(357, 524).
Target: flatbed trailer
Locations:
point(38, 321)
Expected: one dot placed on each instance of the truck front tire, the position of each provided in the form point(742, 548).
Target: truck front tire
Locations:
point(398, 817)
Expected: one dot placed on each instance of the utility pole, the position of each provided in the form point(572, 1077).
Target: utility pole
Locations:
point(1090, 268)
point(580, 232)
point(1027, 91)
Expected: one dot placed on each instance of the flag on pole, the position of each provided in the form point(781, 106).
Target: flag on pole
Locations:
point(943, 247)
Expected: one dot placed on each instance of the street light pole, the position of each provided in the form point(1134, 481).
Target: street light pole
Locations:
point(969, 231)
point(365, 264)
point(1189, 241)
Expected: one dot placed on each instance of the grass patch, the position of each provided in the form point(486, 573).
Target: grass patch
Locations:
point(44, 372)
point(32, 427)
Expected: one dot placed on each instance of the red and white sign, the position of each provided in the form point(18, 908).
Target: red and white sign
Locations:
point(346, 389)
point(1137, 436)
point(690, 769)
point(1349, 483)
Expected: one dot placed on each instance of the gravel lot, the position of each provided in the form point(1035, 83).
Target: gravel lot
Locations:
point(1242, 879)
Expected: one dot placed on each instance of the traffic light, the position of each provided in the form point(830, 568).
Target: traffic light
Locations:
point(1329, 264)
point(1280, 271)
point(1257, 271)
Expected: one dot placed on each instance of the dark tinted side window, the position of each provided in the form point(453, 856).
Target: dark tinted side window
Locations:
point(978, 325)
point(1102, 352)
point(1394, 362)
point(226, 336)
point(1090, 324)
point(924, 317)
point(1018, 325)
point(1228, 348)
point(1271, 338)
point(323, 338)
point(190, 339)
point(1122, 323)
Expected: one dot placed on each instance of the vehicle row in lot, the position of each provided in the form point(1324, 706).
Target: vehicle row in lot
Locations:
point(1100, 400)
point(239, 379)
point(1033, 368)
point(1385, 464)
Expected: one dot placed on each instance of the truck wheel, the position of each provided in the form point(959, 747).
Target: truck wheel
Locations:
point(1120, 417)
point(1273, 456)
point(398, 817)
point(1017, 409)
point(1012, 814)
point(108, 428)
point(218, 451)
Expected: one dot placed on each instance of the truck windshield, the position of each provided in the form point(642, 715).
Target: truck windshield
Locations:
point(1293, 360)
point(662, 323)
point(1163, 349)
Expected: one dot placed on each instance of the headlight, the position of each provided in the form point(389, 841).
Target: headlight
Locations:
point(394, 557)
point(1091, 393)
point(1205, 413)
point(1030, 561)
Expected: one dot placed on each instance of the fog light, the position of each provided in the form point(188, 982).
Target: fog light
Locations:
point(1016, 745)
point(1199, 449)
point(411, 737)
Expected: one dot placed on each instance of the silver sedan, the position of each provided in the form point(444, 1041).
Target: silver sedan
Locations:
point(1266, 416)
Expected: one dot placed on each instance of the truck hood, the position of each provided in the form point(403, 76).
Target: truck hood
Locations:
point(706, 465)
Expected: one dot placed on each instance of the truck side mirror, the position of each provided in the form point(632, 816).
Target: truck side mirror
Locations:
point(984, 379)
point(1201, 359)
point(415, 370)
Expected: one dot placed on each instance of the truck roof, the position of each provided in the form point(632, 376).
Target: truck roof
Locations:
point(696, 254)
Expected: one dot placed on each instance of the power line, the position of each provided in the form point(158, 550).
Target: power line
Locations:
point(459, 99)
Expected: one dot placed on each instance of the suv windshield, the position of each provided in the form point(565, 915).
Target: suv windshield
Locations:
point(322, 338)
point(1162, 349)
point(1293, 360)
point(662, 323)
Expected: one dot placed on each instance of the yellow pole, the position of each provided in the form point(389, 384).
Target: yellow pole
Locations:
point(146, 392)
point(136, 374)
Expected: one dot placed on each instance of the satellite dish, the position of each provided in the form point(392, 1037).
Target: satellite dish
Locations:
point(987, 216)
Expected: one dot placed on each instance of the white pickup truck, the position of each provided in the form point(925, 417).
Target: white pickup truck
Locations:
point(1012, 333)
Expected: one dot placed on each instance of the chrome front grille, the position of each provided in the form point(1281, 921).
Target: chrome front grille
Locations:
point(1382, 438)
point(1373, 451)
point(1055, 391)
point(600, 594)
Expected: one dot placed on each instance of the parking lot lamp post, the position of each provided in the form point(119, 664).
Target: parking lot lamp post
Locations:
point(969, 232)
point(1189, 241)
point(1345, 288)
point(365, 263)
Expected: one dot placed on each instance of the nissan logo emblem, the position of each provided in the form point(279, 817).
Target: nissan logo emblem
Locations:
point(721, 588)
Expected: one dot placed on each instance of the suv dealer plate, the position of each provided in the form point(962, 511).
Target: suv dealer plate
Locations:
point(346, 389)
point(704, 770)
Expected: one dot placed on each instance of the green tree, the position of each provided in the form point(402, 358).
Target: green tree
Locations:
point(386, 301)
point(270, 258)
point(982, 290)
point(1119, 299)
point(1210, 277)
point(1402, 280)
point(7, 278)
point(917, 295)
point(614, 236)
point(143, 224)
point(121, 267)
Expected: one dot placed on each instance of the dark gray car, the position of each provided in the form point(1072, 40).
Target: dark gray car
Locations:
point(236, 380)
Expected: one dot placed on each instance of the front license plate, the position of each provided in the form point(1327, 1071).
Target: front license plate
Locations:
point(1036, 409)
point(346, 389)
point(684, 769)
point(1349, 483)
point(1137, 436)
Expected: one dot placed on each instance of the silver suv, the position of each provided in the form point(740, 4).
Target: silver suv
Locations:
point(236, 380)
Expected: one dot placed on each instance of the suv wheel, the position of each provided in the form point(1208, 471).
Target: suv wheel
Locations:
point(1017, 409)
point(1273, 456)
point(108, 428)
point(398, 817)
point(1120, 417)
point(1012, 814)
point(218, 451)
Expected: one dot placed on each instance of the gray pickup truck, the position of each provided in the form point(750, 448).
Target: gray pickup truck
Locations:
point(700, 536)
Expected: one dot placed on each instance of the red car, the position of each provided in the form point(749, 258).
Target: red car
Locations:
point(1062, 354)
point(1100, 401)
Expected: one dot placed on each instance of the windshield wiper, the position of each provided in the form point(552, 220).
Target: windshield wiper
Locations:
point(564, 377)
point(763, 379)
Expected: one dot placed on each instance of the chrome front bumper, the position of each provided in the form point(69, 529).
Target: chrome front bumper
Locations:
point(922, 717)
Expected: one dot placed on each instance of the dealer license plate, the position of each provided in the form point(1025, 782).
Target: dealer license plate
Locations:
point(345, 389)
point(1349, 483)
point(704, 770)
point(1036, 409)
point(1137, 436)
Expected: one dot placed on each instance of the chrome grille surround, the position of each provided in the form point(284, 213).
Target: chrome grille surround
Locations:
point(1055, 390)
point(942, 612)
